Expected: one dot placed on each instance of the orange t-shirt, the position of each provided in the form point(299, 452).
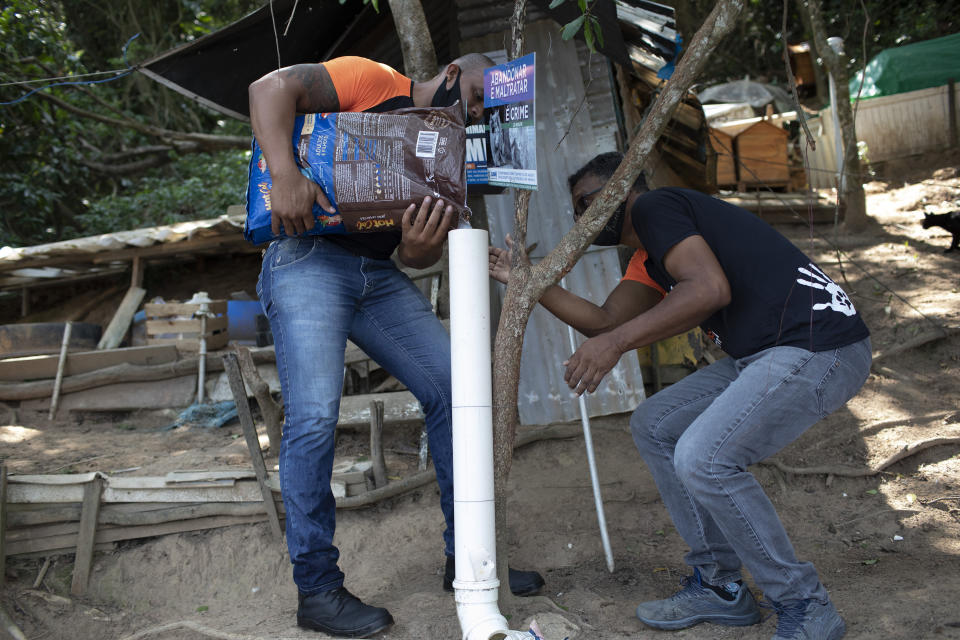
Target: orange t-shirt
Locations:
point(364, 85)
point(637, 272)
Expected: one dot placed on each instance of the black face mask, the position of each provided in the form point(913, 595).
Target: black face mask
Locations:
point(610, 235)
point(445, 97)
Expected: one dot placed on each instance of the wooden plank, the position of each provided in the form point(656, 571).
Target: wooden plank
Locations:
point(85, 537)
point(241, 491)
point(45, 367)
point(68, 541)
point(398, 407)
point(376, 443)
point(136, 271)
point(3, 522)
point(192, 326)
point(120, 323)
point(232, 366)
point(726, 163)
point(167, 309)
point(173, 392)
point(61, 365)
point(191, 345)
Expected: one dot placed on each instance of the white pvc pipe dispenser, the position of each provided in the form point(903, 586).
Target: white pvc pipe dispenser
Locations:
point(476, 585)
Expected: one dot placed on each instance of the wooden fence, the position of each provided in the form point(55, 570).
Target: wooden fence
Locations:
point(892, 127)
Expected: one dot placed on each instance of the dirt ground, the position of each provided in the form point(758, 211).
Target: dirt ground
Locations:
point(887, 546)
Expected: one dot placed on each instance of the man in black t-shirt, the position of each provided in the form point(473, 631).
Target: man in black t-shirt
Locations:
point(798, 351)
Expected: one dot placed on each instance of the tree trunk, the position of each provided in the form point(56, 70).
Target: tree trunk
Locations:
point(852, 197)
point(527, 283)
point(419, 57)
point(823, 91)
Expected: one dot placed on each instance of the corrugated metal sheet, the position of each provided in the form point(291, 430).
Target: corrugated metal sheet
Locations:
point(891, 127)
point(544, 397)
point(595, 72)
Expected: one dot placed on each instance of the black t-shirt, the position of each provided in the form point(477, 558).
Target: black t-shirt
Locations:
point(778, 295)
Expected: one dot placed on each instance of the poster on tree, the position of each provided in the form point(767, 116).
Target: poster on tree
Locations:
point(508, 108)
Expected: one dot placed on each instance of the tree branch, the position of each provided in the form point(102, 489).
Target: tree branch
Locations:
point(848, 472)
point(203, 141)
point(565, 255)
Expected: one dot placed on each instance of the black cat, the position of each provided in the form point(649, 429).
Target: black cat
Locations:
point(949, 221)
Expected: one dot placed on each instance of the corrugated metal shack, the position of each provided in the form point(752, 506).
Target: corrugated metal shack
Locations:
point(570, 131)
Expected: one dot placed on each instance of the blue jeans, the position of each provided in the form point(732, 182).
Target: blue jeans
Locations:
point(316, 296)
point(699, 435)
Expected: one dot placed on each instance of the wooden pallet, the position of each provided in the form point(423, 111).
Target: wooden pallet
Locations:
point(175, 323)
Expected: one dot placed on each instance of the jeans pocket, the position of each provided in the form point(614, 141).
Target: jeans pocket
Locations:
point(289, 251)
point(841, 382)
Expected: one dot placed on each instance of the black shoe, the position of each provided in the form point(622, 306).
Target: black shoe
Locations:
point(340, 613)
point(522, 583)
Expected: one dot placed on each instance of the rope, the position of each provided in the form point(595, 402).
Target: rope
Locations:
point(130, 69)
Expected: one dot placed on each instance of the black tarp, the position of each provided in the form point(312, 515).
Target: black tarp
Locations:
point(217, 68)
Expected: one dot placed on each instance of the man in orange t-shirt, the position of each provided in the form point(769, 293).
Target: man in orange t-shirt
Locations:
point(319, 291)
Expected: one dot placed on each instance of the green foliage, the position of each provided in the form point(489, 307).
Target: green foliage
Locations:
point(197, 187)
point(49, 189)
point(755, 48)
point(592, 33)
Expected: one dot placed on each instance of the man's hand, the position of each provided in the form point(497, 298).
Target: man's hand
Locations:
point(423, 233)
point(591, 362)
point(499, 264)
point(291, 198)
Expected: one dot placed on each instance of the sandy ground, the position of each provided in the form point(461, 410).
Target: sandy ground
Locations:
point(887, 546)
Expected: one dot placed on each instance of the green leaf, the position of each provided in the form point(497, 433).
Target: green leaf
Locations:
point(571, 28)
point(870, 561)
point(556, 3)
point(871, 492)
point(588, 36)
point(583, 5)
point(202, 608)
point(597, 31)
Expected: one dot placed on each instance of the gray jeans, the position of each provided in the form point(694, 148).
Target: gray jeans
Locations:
point(698, 437)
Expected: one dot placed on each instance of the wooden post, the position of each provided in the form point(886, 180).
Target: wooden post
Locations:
point(376, 444)
point(952, 110)
point(655, 366)
point(136, 272)
point(58, 381)
point(87, 535)
point(269, 409)
point(232, 367)
point(3, 522)
point(120, 323)
point(24, 302)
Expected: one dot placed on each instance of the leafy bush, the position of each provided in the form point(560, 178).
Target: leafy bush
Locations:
point(196, 187)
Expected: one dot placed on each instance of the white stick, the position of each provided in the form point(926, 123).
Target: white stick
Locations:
point(55, 400)
point(588, 441)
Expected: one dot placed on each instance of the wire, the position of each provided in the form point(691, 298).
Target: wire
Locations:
point(80, 75)
point(130, 69)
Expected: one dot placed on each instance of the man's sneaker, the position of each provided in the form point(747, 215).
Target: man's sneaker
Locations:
point(522, 583)
point(808, 620)
point(696, 603)
point(340, 613)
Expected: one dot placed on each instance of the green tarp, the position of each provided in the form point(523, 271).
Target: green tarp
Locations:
point(931, 63)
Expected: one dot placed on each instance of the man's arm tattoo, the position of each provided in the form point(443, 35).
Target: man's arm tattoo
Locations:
point(319, 94)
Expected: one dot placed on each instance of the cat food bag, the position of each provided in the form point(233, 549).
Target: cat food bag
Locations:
point(371, 166)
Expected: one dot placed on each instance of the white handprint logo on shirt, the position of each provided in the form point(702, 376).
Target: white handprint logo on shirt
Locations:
point(839, 301)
